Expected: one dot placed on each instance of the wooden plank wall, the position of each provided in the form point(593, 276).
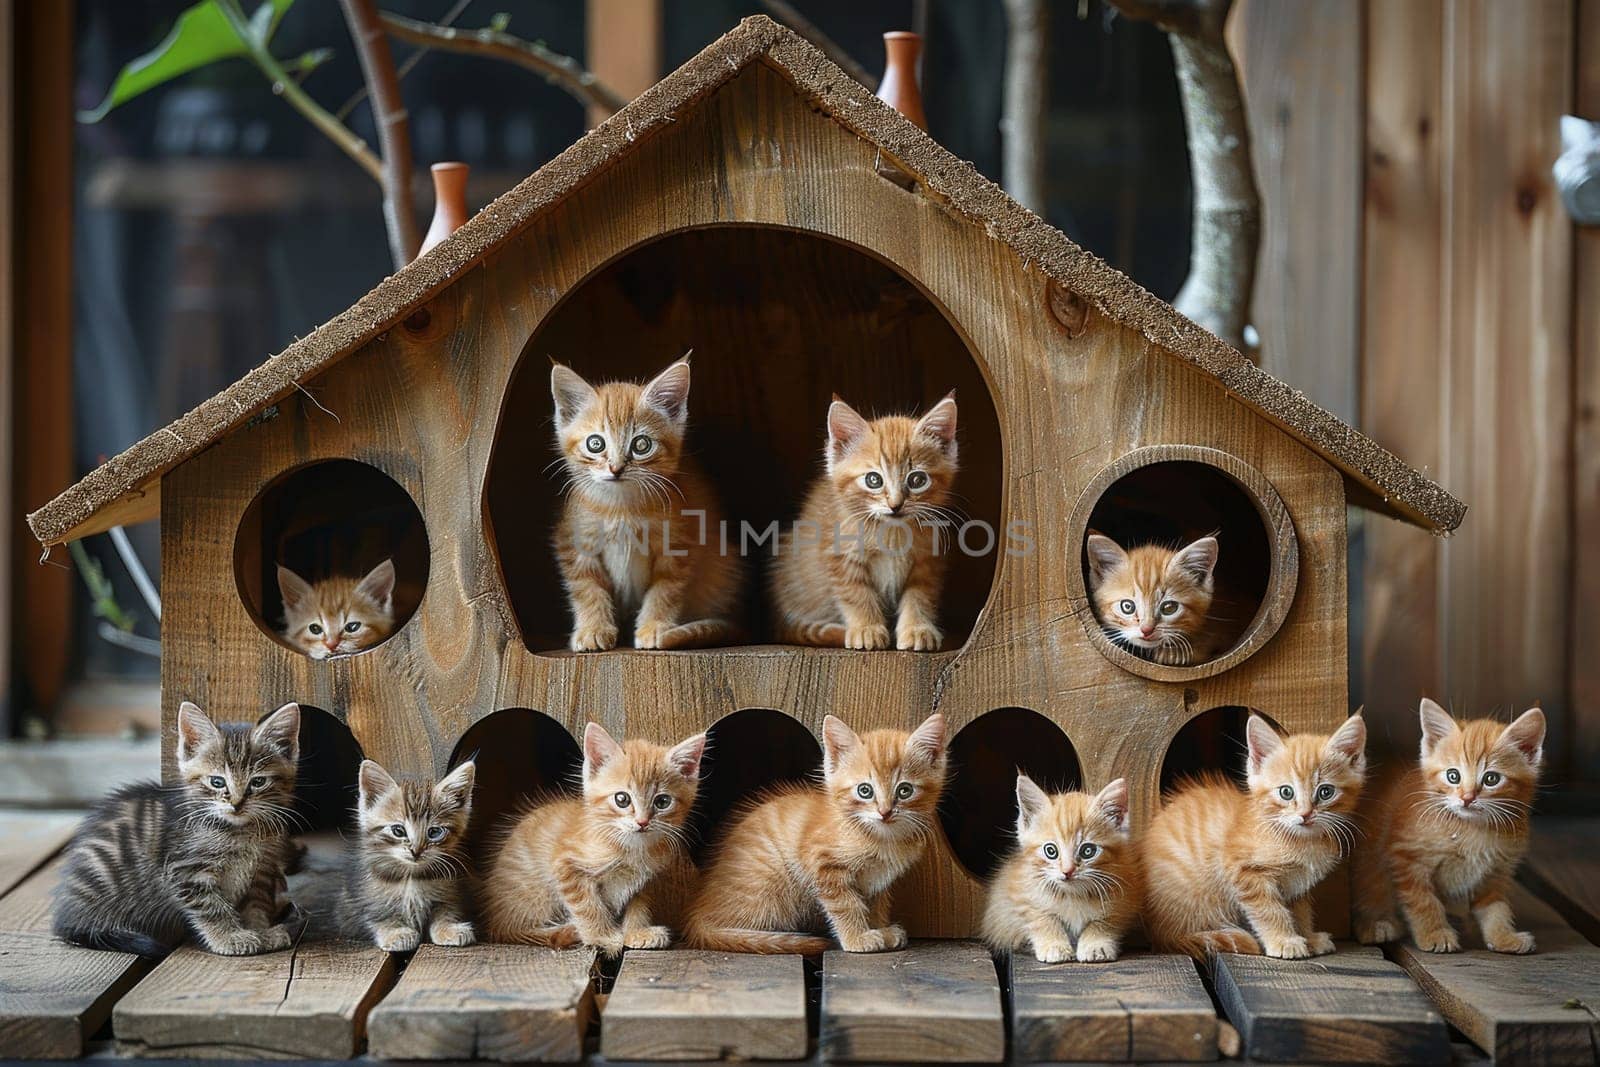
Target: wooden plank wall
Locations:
point(1419, 271)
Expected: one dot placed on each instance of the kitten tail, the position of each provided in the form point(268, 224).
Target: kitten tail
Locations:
point(116, 941)
point(701, 633)
point(758, 942)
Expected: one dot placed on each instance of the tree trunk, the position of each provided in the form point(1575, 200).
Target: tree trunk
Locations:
point(394, 134)
point(1022, 123)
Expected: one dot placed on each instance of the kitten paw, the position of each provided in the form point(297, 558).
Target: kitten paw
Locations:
point(868, 638)
point(564, 937)
point(648, 937)
point(594, 638)
point(452, 933)
point(894, 936)
point(1320, 943)
point(398, 939)
point(918, 637)
point(1378, 932)
point(883, 939)
point(1096, 951)
point(1290, 948)
point(1516, 942)
point(1052, 951)
point(647, 635)
point(238, 943)
point(1442, 940)
point(609, 944)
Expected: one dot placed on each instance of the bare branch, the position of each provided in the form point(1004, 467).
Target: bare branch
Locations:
point(1022, 116)
point(1227, 208)
point(394, 134)
point(564, 72)
point(786, 14)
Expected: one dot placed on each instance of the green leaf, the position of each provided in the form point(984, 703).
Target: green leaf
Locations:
point(307, 62)
point(500, 21)
point(201, 36)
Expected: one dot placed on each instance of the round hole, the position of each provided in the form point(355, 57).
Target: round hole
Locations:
point(1173, 495)
point(1212, 742)
point(748, 753)
point(334, 526)
point(522, 756)
point(779, 321)
point(979, 807)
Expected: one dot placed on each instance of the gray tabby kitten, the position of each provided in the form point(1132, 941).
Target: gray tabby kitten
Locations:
point(204, 856)
point(406, 874)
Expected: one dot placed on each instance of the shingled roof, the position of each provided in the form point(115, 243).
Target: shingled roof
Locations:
point(126, 488)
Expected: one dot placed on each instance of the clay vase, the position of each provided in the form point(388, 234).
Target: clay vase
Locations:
point(449, 202)
point(900, 88)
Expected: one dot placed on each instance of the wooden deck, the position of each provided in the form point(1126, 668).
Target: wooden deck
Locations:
point(936, 1001)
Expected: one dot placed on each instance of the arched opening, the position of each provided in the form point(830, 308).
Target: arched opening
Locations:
point(332, 525)
point(748, 753)
point(1172, 496)
point(779, 321)
point(521, 755)
point(979, 808)
point(1211, 742)
point(325, 778)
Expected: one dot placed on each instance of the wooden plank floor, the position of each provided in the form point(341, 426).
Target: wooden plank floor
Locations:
point(491, 1002)
point(1352, 1006)
point(691, 1005)
point(934, 1001)
point(1137, 1009)
point(1538, 1009)
point(309, 1002)
point(1563, 868)
point(53, 996)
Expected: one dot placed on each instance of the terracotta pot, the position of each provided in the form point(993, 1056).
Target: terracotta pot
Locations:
point(900, 88)
point(449, 202)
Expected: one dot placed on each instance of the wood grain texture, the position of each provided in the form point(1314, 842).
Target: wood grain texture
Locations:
point(53, 996)
point(423, 405)
point(509, 1003)
point(932, 1002)
point(28, 839)
point(1563, 869)
point(1137, 1009)
point(693, 1005)
point(1403, 356)
point(1353, 1006)
point(306, 1002)
point(1537, 1009)
point(1301, 72)
point(1583, 759)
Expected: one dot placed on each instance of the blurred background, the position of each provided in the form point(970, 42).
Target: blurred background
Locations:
point(1417, 273)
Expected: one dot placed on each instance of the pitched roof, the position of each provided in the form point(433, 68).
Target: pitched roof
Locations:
point(125, 489)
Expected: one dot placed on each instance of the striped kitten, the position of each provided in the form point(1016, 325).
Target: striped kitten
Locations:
point(405, 870)
point(204, 856)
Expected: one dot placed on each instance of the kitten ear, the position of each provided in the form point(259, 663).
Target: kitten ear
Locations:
point(1196, 560)
point(195, 729)
point(281, 729)
point(379, 583)
point(599, 748)
point(1031, 802)
point(685, 756)
point(1350, 741)
point(668, 392)
point(291, 587)
point(845, 428)
point(1526, 734)
point(373, 783)
point(1105, 556)
point(940, 422)
point(1262, 741)
point(838, 740)
point(1112, 804)
point(927, 741)
point(571, 393)
point(1437, 725)
point(456, 787)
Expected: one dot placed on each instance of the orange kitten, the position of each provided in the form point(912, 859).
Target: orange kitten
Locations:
point(870, 540)
point(1451, 830)
point(1231, 871)
point(1074, 876)
point(572, 869)
point(1153, 600)
point(338, 615)
point(822, 857)
point(639, 536)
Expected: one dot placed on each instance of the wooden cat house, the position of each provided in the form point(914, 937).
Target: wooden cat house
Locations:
point(803, 239)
